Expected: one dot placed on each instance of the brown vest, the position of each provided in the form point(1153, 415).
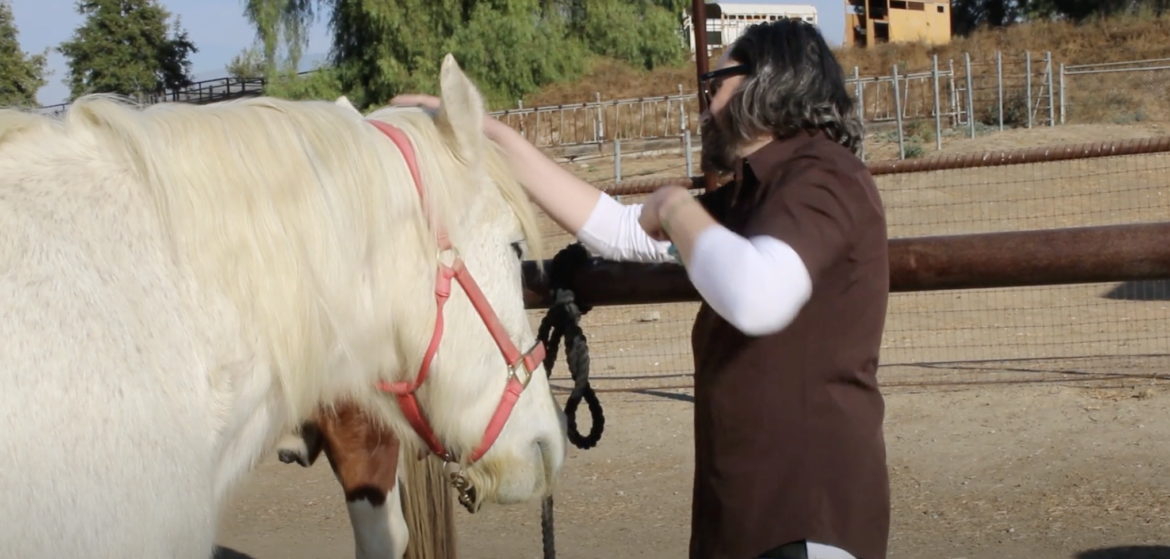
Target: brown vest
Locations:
point(788, 426)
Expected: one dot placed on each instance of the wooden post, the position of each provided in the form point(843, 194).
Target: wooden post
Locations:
point(699, 20)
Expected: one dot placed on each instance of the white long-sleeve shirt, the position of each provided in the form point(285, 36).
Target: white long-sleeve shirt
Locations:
point(756, 284)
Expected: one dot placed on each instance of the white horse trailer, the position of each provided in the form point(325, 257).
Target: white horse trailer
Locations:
point(726, 21)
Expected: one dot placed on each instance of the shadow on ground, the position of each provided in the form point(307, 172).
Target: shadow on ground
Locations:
point(228, 553)
point(1127, 552)
point(1149, 290)
point(668, 395)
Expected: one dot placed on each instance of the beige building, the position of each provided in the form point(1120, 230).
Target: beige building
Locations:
point(873, 22)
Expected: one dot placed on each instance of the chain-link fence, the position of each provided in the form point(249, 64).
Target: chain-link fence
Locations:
point(1022, 334)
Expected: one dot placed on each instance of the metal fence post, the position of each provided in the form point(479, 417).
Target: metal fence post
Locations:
point(600, 116)
point(937, 106)
point(687, 151)
point(1063, 101)
point(860, 106)
point(970, 96)
point(682, 110)
point(617, 160)
point(954, 94)
point(1051, 93)
point(861, 100)
point(1028, 82)
point(999, 84)
point(898, 115)
point(523, 129)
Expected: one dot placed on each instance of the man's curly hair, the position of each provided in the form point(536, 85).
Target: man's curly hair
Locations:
point(795, 84)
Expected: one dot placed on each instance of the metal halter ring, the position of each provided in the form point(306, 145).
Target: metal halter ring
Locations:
point(514, 372)
point(466, 491)
point(455, 255)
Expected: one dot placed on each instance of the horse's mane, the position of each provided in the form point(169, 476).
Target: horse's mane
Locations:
point(263, 198)
point(417, 124)
point(16, 120)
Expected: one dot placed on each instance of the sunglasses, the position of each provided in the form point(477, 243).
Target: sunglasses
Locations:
point(711, 81)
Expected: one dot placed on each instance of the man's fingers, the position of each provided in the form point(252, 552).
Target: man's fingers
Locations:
point(416, 100)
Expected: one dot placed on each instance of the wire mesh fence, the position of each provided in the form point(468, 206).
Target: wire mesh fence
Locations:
point(1118, 93)
point(1067, 333)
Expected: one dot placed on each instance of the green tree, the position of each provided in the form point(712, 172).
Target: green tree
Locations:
point(969, 15)
point(1080, 10)
point(249, 63)
point(21, 75)
point(282, 23)
point(509, 47)
point(319, 84)
point(125, 47)
point(644, 33)
point(383, 47)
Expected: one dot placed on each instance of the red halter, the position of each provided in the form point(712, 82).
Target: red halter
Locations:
point(404, 391)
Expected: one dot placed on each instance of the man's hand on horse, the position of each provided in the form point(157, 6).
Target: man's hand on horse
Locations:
point(416, 100)
point(491, 126)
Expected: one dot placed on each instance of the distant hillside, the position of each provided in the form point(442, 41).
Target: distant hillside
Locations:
point(1110, 40)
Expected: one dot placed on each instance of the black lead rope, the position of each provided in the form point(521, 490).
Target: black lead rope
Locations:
point(563, 322)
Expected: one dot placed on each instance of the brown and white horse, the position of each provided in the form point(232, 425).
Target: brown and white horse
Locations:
point(399, 504)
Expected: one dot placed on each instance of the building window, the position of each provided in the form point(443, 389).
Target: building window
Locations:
point(942, 9)
point(918, 6)
point(897, 5)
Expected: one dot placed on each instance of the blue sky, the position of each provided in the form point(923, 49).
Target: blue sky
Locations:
point(220, 31)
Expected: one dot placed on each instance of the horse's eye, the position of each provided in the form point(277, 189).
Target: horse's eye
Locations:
point(519, 251)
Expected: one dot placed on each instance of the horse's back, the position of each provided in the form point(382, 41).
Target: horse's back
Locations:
point(105, 417)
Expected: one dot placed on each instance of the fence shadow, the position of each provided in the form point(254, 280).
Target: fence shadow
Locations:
point(228, 553)
point(1127, 552)
point(1147, 290)
point(668, 395)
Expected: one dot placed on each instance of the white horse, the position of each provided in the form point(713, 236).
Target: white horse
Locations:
point(180, 286)
point(397, 505)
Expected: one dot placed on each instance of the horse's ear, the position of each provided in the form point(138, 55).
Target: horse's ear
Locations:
point(462, 112)
point(343, 101)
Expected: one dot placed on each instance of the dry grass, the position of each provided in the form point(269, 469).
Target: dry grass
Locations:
point(1109, 40)
point(616, 80)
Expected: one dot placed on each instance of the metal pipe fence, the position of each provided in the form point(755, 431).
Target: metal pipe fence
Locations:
point(906, 111)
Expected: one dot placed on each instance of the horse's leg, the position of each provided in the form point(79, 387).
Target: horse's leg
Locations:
point(429, 507)
point(365, 459)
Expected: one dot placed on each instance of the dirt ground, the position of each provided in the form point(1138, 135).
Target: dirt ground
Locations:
point(1023, 423)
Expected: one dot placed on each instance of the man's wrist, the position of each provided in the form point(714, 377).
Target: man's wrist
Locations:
point(671, 208)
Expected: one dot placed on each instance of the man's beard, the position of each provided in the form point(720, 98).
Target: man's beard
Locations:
point(719, 153)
